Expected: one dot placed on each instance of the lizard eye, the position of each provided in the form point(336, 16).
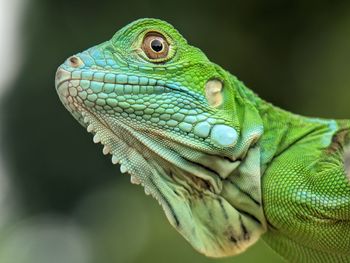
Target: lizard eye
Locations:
point(155, 46)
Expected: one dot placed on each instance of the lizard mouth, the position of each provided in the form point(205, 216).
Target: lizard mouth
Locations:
point(197, 175)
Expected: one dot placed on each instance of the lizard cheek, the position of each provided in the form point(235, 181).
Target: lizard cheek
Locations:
point(213, 92)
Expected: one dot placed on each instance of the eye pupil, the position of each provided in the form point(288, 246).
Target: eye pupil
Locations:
point(156, 45)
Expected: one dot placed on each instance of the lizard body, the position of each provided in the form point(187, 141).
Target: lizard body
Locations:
point(226, 166)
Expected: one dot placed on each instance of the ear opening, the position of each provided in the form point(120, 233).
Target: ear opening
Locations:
point(214, 92)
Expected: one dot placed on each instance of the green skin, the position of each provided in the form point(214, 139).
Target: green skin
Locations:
point(226, 166)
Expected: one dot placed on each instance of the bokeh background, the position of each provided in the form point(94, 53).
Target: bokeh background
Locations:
point(61, 200)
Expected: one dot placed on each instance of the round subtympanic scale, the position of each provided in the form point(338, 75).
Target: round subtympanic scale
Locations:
point(223, 135)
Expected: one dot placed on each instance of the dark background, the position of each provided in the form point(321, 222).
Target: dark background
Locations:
point(68, 202)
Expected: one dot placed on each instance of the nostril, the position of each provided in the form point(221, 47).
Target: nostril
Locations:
point(75, 61)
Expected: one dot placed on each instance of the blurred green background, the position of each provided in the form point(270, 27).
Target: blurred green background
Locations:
point(61, 200)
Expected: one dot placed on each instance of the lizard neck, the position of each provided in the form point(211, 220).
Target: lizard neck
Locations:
point(282, 129)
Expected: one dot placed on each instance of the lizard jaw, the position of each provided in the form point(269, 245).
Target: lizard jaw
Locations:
point(183, 210)
point(131, 161)
point(118, 148)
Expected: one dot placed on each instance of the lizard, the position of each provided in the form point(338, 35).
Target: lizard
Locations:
point(227, 167)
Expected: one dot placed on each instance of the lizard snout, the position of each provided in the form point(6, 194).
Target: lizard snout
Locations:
point(61, 76)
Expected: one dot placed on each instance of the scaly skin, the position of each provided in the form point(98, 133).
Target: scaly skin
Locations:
point(226, 166)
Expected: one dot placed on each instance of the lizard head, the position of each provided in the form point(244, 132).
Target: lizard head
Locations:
point(168, 116)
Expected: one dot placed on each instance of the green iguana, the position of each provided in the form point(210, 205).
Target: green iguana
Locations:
point(226, 166)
